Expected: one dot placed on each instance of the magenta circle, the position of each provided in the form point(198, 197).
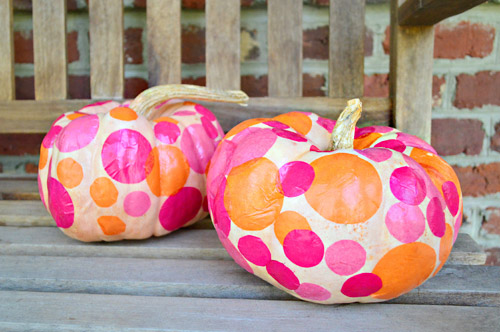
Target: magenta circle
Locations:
point(451, 197)
point(345, 257)
point(184, 113)
point(303, 247)
point(414, 141)
point(234, 253)
point(137, 203)
point(48, 140)
point(197, 146)
point(296, 177)
point(251, 143)
point(456, 226)
point(392, 144)
point(60, 204)
point(78, 133)
point(209, 127)
point(313, 292)
point(435, 217)
point(124, 156)
point(180, 208)
point(276, 124)
point(167, 132)
point(205, 112)
point(376, 154)
point(289, 135)
point(405, 222)
point(361, 285)
point(326, 123)
point(254, 250)
point(371, 129)
point(205, 204)
point(314, 148)
point(407, 185)
point(221, 220)
point(283, 275)
point(40, 190)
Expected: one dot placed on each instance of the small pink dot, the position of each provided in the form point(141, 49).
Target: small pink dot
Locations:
point(345, 257)
point(392, 144)
point(209, 127)
point(48, 140)
point(451, 197)
point(435, 217)
point(407, 185)
point(405, 222)
point(137, 203)
point(313, 292)
point(234, 253)
point(375, 154)
point(304, 248)
point(361, 285)
point(78, 133)
point(205, 112)
point(371, 129)
point(283, 275)
point(289, 135)
point(180, 208)
point(326, 123)
point(276, 124)
point(254, 250)
point(184, 113)
point(167, 132)
point(296, 177)
point(314, 148)
point(60, 203)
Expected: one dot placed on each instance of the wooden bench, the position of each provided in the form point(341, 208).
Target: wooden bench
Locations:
point(186, 280)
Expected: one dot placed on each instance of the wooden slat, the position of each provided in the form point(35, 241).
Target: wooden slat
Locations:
point(106, 48)
point(453, 285)
point(223, 44)
point(7, 84)
point(49, 46)
point(285, 48)
point(346, 56)
point(25, 116)
point(410, 82)
point(24, 213)
point(429, 12)
point(198, 241)
point(90, 312)
point(19, 189)
point(164, 41)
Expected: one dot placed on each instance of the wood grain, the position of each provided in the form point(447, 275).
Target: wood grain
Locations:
point(7, 83)
point(285, 48)
point(223, 44)
point(106, 48)
point(19, 189)
point(430, 12)
point(24, 213)
point(49, 47)
point(410, 82)
point(164, 41)
point(346, 55)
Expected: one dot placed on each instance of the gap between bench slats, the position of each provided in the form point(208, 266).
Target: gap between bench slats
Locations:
point(7, 83)
point(88, 312)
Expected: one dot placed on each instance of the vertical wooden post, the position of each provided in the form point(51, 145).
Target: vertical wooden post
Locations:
point(410, 78)
point(7, 84)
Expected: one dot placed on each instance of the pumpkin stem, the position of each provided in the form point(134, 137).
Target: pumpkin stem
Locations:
point(343, 132)
point(146, 101)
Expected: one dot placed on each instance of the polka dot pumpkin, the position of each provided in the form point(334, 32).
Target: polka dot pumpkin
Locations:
point(109, 173)
point(366, 220)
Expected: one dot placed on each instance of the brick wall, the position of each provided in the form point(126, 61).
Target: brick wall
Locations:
point(466, 83)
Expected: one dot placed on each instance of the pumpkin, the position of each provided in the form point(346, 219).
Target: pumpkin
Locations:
point(111, 172)
point(331, 213)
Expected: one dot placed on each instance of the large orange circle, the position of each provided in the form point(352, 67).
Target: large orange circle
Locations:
point(44, 154)
point(103, 192)
point(298, 121)
point(167, 170)
point(252, 198)
point(346, 188)
point(69, 172)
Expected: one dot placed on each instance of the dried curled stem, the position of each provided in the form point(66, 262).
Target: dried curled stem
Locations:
point(343, 132)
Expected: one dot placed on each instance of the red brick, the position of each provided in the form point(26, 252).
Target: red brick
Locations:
point(315, 43)
point(193, 4)
point(193, 44)
point(479, 180)
point(25, 87)
point(31, 168)
point(254, 86)
point(495, 139)
point(456, 41)
point(438, 86)
point(201, 81)
point(133, 46)
point(493, 256)
point(72, 46)
point(376, 85)
point(134, 86)
point(22, 4)
point(456, 136)
point(477, 90)
point(491, 222)
point(78, 87)
point(23, 46)
point(20, 144)
point(313, 86)
point(386, 43)
point(140, 3)
point(1, 168)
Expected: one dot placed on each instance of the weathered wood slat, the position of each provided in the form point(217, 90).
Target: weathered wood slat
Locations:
point(223, 44)
point(285, 48)
point(90, 312)
point(49, 46)
point(24, 213)
point(198, 241)
point(454, 285)
point(7, 84)
point(164, 41)
point(430, 12)
point(18, 189)
point(26, 116)
point(410, 82)
point(346, 58)
point(106, 48)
